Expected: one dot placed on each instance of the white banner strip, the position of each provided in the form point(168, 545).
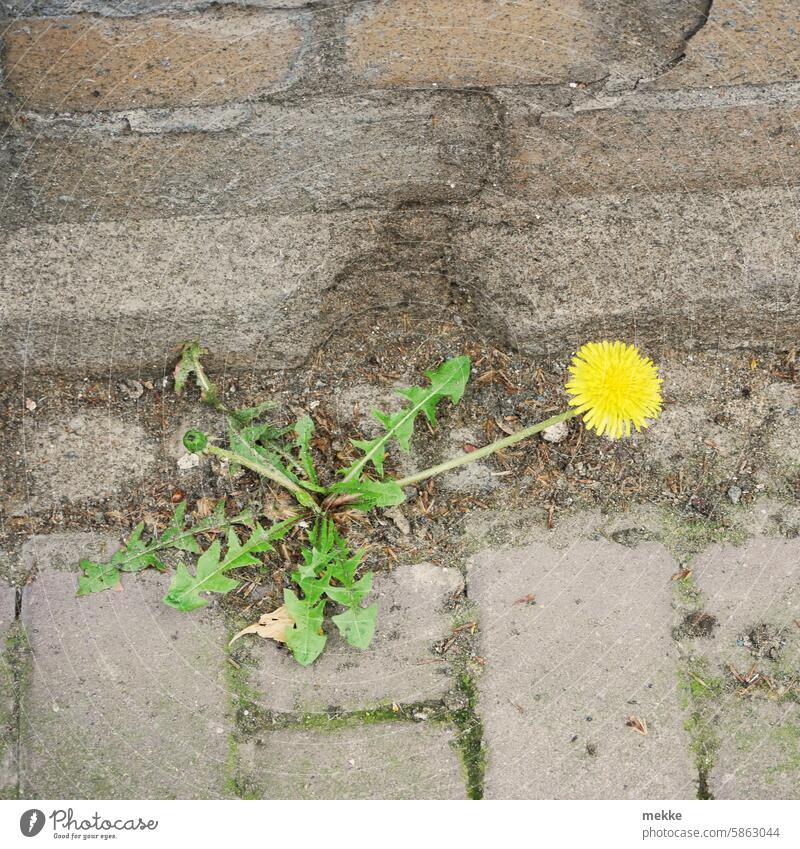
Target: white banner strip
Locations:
point(402, 824)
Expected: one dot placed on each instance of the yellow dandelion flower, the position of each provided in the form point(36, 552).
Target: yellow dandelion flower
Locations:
point(614, 386)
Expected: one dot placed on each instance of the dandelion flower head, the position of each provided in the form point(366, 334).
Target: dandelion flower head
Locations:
point(613, 386)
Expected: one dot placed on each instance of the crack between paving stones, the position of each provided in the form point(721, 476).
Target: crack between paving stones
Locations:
point(688, 35)
point(13, 650)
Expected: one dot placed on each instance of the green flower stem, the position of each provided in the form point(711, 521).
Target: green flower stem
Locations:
point(265, 470)
point(478, 454)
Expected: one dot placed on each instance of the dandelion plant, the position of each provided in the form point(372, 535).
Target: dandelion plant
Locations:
point(612, 386)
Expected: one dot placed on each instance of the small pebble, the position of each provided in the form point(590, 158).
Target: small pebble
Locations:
point(188, 461)
point(735, 494)
point(556, 433)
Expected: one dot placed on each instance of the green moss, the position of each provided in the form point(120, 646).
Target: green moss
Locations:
point(470, 736)
point(686, 537)
point(786, 738)
point(700, 692)
point(15, 671)
point(248, 716)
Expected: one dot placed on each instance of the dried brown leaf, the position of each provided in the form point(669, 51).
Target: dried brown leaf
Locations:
point(271, 626)
point(637, 724)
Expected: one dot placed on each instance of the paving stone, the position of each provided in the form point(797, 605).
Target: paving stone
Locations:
point(759, 751)
point(324, 154)
point(85, 63)
point(91, 455)
point(753, 591)
point(741, 44)
point(563, 675)
point(668, 270)
point(114, 278)
point(397, 666)
point(381, 761)
point(627, 150)
point(512, 42)
point(127, 697)
point(8, 730)
point(291, 277)
point(129, 8)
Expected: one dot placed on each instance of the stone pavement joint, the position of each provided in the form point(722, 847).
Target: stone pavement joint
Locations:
point(9, 680)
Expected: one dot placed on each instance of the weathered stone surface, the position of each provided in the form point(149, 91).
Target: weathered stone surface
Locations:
point(384, 761)
point(563, 676)
point(260, 292)
point(129, 293)
point(91, 455)
point(678, 270)
point(753, 591)
point(129, 8)
point(624, 150)
point(127, 697)
point(322, 155)
point(511, 42)
point(85, 63)
point(397, 667)
point(8, 597)
point(63, 552)
point(759, 751)
point(752, 43)
point(8, 730)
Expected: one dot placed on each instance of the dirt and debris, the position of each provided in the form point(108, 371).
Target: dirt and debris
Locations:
point(764, 641)
point(687, 461)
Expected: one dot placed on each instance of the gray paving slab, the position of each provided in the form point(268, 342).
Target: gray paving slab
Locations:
point(384, 761)
point(563, 675)
point(126, 697)
point(753, 591)
point(399, 666)
point(91, 455)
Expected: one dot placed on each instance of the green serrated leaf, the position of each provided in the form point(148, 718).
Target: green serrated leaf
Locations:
point(351, 596)
point(184, 591)
point(305, 639)
point(375, 449)
point(244, 444)
point(447, 381)
point(357, 625)
point(136, 554)
point(247, 415)
point(371, 493)
point(187, 364)
point(174, 535)
point(304, 430)
point(97, 577)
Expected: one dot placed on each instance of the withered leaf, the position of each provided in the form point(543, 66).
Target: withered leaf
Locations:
point(637, 724)
point(271, 626)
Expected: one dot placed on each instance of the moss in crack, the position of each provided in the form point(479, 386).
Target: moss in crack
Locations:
point(15, 669)
point(700, 694)
point(247, 716)
point(699, 689)
point(336, 719)
point(687, 536)
point(470, 734)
